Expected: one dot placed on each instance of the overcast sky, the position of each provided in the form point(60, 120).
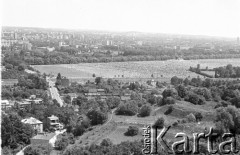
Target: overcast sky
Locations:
point(200, 17)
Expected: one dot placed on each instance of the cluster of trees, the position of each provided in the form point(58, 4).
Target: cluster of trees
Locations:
point(69, 55)
point(129, 108)
point(108, 148)
point(227, 72)
point(38, 149)
point(198, 91)
point(14, 133)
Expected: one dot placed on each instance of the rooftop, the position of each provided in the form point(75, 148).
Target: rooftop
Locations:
point(47, 136)
point(31, 120)
point(53, 117)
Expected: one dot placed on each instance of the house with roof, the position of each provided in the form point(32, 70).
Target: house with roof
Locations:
point(43, 138)
point(35, 123)
point(125, 97)
point(5, 104)
point(35, 101)
point(23, 104)
point(54, 122)
point(9, 82)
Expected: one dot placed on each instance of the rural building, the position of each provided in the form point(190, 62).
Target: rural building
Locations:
point(9, 82)
point(44, 138)
point(125, 98)
point(35, 101)
point(5, 104)
point(36, 124)
point(54, 122)
point(23, 104)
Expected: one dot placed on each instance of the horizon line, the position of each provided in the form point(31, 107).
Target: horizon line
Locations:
point(125, 31)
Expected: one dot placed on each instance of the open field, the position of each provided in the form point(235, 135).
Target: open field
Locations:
point(115, 129)
point(136, 69)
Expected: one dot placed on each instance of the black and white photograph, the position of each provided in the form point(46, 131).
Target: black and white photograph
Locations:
point(120, 77)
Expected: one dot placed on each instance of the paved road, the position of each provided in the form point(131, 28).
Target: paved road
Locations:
point(54, 92)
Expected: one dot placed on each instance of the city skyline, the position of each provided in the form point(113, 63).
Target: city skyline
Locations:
point(208, 18)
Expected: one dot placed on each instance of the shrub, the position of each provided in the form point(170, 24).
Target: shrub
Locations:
point(175, 124)
point(145, 111)
point(78, 130)
point(61, 143)
point(132, 131)
point(169, 110)
point(194, 99)
point(159, 101)
point(182, 91)
point(39, 149)
point(159, 123)
point(127, 109)
point(106, 142)
point(191, 118)
point(169, 100)
point(170, 93)
point(198, 116)
point(96, 117)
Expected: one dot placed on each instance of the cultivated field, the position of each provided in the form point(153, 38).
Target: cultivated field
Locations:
point(136, 69)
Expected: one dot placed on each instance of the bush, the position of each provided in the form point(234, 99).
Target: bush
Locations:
point(132, 131)
point(191, 118)
point(194, 99)
point(169, 110)
point(159, 123)
point(106, 142)
point(39, 149)
point(175, 124)
point(145, 111)
point(9, 66)
point(96, 117)
point(198, 116)
point(170, 93)
point(169, 100)
point(182, 91)
point(127, 109)
point(78, 130)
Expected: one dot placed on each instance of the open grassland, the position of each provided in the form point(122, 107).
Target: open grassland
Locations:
point(136, 69)
point(115, 129)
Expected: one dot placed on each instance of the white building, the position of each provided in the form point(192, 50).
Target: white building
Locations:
point(54, 122)
point(36, 124)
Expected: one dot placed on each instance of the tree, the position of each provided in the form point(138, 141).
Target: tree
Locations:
point(198, 116)
point(175, 80)
point(182, 91)
point(170, 93)
point(145, 111)
point(59, 77)
point(228, 120)
point(14, 132)
point(9, 66)
point(106, 142)
point(186, 82)
point(96, 117)
point(98, 80)
point(21, 67)
point(94, 75)
point(128, 109)
point(159, 123)
point(169, 100)
point(113, 102)
point(39, 149)
point(132, 131)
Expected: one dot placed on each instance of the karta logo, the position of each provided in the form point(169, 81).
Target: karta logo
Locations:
point(153, 140)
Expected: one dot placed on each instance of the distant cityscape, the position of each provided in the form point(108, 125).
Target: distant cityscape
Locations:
point(109, 43)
